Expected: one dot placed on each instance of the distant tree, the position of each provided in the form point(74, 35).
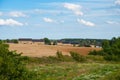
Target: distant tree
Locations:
point(14, 40)
point(74, 45)
point(0, 41)
point(47, 41)
point(82, 43)
point(54, 42)
point(7, 40)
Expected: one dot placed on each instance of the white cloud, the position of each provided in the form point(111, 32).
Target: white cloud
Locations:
point(17, 14)
point(1, 13)
point(111, 22)
point(50, 11)
point(87, 23)
point(117, 2)
point(49, 20)
point(75, 8)
point(10, 22)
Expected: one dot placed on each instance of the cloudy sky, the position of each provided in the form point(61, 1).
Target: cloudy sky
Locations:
point(58, 19)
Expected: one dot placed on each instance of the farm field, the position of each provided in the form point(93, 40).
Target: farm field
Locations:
point(46, 62)
point(59, 39)
point(39, 50)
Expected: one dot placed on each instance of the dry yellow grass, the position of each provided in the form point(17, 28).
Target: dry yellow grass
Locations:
point(39, 50)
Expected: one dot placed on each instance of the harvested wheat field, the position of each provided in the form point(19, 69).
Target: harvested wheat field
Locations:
point(39, 50)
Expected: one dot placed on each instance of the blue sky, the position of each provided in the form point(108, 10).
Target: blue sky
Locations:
point(58, 19)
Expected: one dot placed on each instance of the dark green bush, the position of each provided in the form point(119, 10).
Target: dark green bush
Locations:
point(112, 57)
point(77, 57)
point(94, 52)
point(11, 65)
point(60, 56)
point(110, 50)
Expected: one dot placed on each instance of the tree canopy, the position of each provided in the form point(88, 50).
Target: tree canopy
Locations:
point(47, 41)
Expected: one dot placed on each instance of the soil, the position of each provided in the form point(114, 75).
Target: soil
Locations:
point(39, 50)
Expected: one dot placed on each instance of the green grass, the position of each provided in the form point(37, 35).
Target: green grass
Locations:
point(73, 71)
point(113, 76)
point(66, 68)
point(99, 72)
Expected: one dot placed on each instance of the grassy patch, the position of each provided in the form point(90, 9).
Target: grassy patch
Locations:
point(73, 71)
point(63, 67)
point(113, 76)
point(98, 72)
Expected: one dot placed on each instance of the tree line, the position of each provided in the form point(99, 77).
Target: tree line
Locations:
point(110, 50)
point(10, 41)
point(78, 42)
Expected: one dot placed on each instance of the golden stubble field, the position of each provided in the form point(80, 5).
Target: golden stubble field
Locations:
point(39, 50)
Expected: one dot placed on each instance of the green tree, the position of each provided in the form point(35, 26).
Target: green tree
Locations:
point(110, 50)
point(7, 40)
point(54, 42)
point(14, 40)
point(47, 41)
point(106, 46)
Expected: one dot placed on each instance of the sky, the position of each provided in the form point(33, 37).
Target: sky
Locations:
point(57, 19)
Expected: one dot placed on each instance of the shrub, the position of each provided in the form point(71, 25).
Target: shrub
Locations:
point(60, 55)
point(48, 60)
point(112, 57)
point(96, 58)
point(94, 52)
point(54, 42)
point(11, 65)
point(77, 57)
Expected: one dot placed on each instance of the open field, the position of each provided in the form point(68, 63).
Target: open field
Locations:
point(58, 66)
point(39, 50)
point(75, 71)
